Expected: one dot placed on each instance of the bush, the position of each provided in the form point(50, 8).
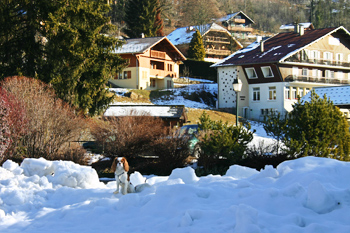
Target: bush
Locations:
point(315, 128)
point(51, 123)
point(220, 141)
point(127, 136)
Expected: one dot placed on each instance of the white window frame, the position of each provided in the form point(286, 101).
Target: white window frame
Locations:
point(256, 94)
point(327, 56)
point(315, 54)
point(267, 71)
point(339, 57)
point(305, 72)
point(251, 73)
point(294, 93)
point(301, 92)
point(295, 71)
point(272, 93)
point(287, 93)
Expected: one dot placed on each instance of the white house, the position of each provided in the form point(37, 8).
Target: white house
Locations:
point(276, 71)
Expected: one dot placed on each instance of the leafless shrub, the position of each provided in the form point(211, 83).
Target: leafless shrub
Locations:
point(51, 122)
point(127, 136)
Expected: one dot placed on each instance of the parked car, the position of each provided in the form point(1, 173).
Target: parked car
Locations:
point(191, 131)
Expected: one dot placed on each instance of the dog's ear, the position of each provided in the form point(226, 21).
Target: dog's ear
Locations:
point(114, 165)
point(126, 164)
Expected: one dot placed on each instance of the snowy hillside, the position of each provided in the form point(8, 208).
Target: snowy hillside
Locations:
point(304, 195)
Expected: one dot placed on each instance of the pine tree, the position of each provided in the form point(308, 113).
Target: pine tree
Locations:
point(61, 43)
point(142, 17)
point(317, 128)
point(196, 49)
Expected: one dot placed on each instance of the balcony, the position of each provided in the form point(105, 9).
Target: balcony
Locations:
point(216, 39)
point(294, 78)
point(318, 61)
point(238, 20)
point(239, 29)
point(158, 54)
point(162, 73)
point(218, 52)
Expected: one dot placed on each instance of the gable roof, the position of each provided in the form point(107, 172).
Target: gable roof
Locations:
point(141, 45)
point(184, 35)
point(278, 48)
point(229, 16)
point(339, 95)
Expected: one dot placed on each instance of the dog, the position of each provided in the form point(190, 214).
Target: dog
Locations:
point(120, 167)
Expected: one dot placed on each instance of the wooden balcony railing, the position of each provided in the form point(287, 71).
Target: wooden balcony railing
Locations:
point(218, 52)
point(158, 54)
point(216, 39)
point(162, 73)
point(293, 78)
point(239, 29)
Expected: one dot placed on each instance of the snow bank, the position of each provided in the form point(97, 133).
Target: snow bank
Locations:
point(306, 195)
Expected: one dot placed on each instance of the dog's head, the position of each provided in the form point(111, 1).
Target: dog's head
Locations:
point(120, 163)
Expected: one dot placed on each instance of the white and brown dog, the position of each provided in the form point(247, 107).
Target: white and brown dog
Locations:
point(120, 167)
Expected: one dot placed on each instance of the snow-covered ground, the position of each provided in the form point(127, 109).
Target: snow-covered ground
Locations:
point(304, 195)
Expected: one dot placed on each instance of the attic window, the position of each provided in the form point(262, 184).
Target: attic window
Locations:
point(334, 41)
point(267, 71)
point(251, 72)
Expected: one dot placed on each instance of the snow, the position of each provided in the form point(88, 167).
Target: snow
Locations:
point(309, 194)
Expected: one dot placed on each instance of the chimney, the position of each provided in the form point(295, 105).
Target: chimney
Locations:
point(142, 35)
point(296, 28)
point(262, 46)
point(258, 38)
point(301, 30)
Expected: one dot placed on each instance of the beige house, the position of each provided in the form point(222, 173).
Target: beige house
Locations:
point(153, 63)
point(277, 71)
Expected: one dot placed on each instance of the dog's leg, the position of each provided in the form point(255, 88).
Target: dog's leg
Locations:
point(124, 188)
point(117, 180)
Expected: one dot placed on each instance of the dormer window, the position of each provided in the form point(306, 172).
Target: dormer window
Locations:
point(251, 73)
point(267, 71)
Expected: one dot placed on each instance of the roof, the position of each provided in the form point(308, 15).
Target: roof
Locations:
point(229, 16)
point(184, 35)
point(339, 95)
point(291, 26)
point(141, 45)
point(138, 45)
point(277, 48)
point(162, 111)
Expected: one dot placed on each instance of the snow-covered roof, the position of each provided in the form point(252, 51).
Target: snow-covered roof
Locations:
point(137, 45)
point(184, 35)
point(229, 16)
point(291, 26)
point(339, 95)
point(162, 111)
point(278, 48)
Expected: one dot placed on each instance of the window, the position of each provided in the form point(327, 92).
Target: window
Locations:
point(267, 71)
point(301, 92)
point(127, 74)
point(256, 93)
point(339, 57)
point(119, 75)
point(327, 56)
point(294, 93)
point(305, 72)
point(295, 71)
point(170, 67)
point(287, 93)
point(329, 74)
point(314, 54)
point(333, 41)
point(153, 83)
point(272, 93)
point(251, 73)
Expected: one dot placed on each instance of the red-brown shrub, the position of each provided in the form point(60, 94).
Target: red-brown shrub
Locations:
point(52, 124)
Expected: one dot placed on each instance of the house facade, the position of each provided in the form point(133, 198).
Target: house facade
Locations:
point(277, 71)
point(153, 63)
point(218, 42)
point(238, 24)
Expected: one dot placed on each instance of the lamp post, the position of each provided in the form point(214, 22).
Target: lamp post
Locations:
point(237, 87)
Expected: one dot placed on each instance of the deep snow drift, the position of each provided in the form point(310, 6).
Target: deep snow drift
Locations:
point(304, 195)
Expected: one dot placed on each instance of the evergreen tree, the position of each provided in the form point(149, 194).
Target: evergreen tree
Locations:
point(318, 128)
point(196, 49)
point(142, 17)
point(61, 42)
